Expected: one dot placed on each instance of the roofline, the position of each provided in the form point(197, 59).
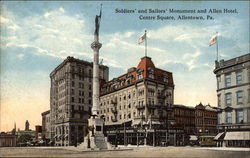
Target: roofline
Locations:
point(227, 66)
point(45, 112)
point(72, 59)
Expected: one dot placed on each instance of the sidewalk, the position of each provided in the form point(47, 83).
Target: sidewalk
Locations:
point(224, 148)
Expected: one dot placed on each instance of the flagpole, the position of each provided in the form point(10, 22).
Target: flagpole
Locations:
point(217, 41)
point(145, 42)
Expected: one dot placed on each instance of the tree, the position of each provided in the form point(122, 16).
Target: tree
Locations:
point(24, 138)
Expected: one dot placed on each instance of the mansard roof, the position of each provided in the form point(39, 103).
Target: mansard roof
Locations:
point(145, 66)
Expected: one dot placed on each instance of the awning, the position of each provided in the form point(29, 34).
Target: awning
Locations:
point(66, 135)
point(139, 121)
point(156, 123)
point(55, 136)
point(219, 136)
point(193, 137)
point(136, 122)
point(243, 135)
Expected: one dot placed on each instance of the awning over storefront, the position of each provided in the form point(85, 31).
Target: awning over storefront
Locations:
point(243, 135)
point(193, 137)
point(219, 136)
point(136, 122)
point(66, 135)
point(55, 136)
point(156, 123)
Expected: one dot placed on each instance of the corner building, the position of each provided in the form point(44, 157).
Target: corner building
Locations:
point(137, 106)
point(233, 91)
point(71, 100)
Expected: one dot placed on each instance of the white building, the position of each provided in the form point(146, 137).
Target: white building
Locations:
point(141, 102)
point(233, 90)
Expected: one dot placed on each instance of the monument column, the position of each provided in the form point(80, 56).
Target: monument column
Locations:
point(95, 138)
point(96, 84)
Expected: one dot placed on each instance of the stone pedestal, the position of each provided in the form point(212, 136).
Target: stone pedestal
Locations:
point(95, 139)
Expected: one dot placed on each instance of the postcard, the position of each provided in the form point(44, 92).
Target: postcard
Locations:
point(125, 78)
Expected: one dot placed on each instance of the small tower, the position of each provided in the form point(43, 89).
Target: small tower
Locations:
point(27, 125)
point(14, 129)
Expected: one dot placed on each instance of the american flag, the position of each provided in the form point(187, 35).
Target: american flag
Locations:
point(142, 39)
point(213, 40)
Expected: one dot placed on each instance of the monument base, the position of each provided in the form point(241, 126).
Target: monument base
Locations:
point(95, 139)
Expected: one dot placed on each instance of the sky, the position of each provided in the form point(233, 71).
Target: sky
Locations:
point(38, 36)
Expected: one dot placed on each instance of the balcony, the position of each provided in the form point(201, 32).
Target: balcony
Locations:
point(152, 106)
point(114, 110)
point(114, 119)
point(160, 96)
point(140, 106)
point(114, 101)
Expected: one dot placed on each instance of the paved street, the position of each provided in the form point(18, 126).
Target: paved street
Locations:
point(132, 152)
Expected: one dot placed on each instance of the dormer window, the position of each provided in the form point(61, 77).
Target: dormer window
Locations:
point(129, 78)
point(151, 73)
point(140, 74)
point(165, 77)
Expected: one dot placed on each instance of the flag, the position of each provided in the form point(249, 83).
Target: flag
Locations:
point(142, 39)
point(213, 40)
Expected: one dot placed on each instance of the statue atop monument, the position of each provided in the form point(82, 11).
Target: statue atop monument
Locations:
point(97, 22)
point(27, 125)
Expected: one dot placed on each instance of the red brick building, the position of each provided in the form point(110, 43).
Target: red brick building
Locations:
point(206, 119)
point(198, 120)
point(185, 118)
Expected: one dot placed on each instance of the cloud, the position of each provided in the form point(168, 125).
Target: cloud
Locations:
point(4, 20)
point(58, 34)
point(50, 33)
point(191, 55)
point(20, 56)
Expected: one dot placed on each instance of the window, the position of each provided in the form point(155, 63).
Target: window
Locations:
point(72, 99)
point(228, 117)
point(165, 77)
point(238, 77)
point(228, 99)
point(249, 95)
point(218, 82)
point(73, 84)
point(219, 121)
point(248, 115)
point(151, 73)
point(239, 96)
point(140, 74)
point(228, 80)
point(239, 116)
point(219, 100)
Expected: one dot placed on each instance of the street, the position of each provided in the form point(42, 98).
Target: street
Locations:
point(178, 152)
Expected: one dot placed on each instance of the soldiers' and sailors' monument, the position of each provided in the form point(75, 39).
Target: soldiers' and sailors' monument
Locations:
point(95, 138)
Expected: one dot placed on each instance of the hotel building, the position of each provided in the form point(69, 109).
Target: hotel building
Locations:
point(233, 91)
point(137, 106)
point(71, 100)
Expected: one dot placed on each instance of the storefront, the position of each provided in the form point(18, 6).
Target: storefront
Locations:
point(233, 139)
